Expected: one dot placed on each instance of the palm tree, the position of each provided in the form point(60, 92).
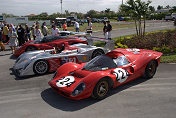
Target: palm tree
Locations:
point(138, 11)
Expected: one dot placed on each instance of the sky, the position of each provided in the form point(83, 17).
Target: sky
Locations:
point(26, 7)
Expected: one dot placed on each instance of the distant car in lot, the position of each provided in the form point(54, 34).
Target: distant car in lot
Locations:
point(168, 17)
point(47, 42)
point(120, 18)
point(173, 16)
point(43, 61)
point(95, 78)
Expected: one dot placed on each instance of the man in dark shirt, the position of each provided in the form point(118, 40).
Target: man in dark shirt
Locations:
point(109, 29)
point(27, 33)
point(21, 35)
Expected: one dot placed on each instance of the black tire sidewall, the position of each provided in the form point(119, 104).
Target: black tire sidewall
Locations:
point(147, 74)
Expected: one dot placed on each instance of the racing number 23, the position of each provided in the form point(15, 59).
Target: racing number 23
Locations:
point(121, 74)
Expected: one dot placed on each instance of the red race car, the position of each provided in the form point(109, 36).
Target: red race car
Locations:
point(95, 78)
point(47, 42)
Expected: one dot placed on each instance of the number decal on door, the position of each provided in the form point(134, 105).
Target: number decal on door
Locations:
point(121, 74)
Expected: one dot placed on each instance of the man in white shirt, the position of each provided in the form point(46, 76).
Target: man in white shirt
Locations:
point(77, 26)
point(55, 31)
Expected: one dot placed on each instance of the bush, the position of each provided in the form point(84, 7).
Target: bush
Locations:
point(157, 49)
point(166, 50)
point(119, 45)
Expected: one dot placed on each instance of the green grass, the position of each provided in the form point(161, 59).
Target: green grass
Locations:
point(97, 27)
point(168, 58)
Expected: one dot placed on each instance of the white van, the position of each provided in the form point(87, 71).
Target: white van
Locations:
point(173, 16)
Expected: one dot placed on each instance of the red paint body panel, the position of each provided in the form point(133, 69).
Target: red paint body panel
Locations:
point(135, 69)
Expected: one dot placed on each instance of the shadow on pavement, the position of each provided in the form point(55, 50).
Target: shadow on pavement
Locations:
point(25, 77)
point(13, 57)
point(65, 104)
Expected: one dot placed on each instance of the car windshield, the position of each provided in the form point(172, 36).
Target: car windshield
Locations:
point(102, 62)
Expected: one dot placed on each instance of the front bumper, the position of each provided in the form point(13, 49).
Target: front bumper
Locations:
point(67, 94)
point(21, 72)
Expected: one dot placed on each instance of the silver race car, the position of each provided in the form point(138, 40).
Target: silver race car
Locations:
point(43, 61)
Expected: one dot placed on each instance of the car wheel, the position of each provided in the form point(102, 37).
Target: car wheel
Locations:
point(31, 48)
point(150, 70)
point(41, 67)
point(101, 89)
point(97, 53)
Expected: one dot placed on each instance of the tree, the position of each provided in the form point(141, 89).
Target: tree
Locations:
point(138, 11)
point(152, 9)
point(108, 10)
point(167, 7)
point(159, 7)
point(90, 13)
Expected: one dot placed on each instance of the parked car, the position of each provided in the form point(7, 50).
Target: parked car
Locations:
point(43, 61)
point(173, 16)
point(47, 42)
point(168, 17)
point(98, 76)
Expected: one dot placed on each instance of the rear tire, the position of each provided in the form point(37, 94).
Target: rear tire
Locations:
point(101, 89)
point(41, 67)
point(150, 70)
point(97, 52)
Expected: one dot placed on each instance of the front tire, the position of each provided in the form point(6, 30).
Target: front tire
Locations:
point(41, 67)
point(97, 52)
point(101, 89)
point(150, 70)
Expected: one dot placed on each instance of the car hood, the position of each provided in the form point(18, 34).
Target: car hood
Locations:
point(75, 79)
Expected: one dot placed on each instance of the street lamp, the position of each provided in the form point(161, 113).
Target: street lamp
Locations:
point(61, 6)
point(122, 2)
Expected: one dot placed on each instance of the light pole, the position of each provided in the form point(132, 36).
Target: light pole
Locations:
point(122, 2)
point(61, 6)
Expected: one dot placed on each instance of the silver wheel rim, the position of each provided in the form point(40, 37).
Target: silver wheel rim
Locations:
point(41, 67)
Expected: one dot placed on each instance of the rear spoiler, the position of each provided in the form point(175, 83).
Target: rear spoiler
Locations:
point(90, 40)
point(109, 43)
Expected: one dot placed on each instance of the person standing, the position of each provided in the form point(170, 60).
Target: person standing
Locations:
point(89, 28)
point(76, 26)
point(109, 29)
point(54, 31)
point(64, 26)
point(32, 31)
point(105, 30)
point(52, 24)
point(12, 39)
point(5, 33)
point(21, 35)
point(27, 33)
point(37, 32)
point(1, 43)
point(45, 30)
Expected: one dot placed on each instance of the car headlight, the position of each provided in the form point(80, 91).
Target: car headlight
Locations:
point(79, 89)
point(54, 75)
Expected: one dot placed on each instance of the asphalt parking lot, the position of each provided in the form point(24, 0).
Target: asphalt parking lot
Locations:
point(32, 97)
